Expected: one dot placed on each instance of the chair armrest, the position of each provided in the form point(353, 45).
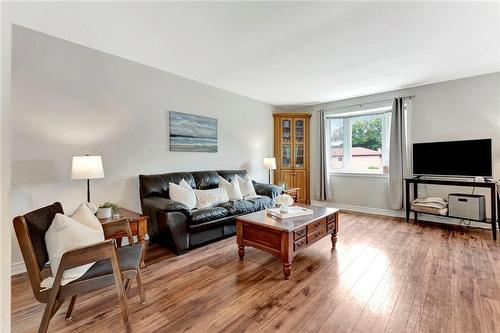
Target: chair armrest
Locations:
point(86, 255)
point(269, 190)
point(117, 228)
point(164, 204)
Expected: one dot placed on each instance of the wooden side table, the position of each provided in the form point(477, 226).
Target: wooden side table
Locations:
point(293, 192)
point(138, 225)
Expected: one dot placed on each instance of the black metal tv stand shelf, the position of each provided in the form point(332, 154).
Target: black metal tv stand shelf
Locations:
point(419, 180)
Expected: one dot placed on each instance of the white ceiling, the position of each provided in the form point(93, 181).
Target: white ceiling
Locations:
point(286, 53)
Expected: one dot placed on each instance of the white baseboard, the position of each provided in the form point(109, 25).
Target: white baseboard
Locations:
point(360, 209)
point(394, 213)
point(17, 268)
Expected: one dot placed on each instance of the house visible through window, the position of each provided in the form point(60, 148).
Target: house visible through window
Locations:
point(359, 141)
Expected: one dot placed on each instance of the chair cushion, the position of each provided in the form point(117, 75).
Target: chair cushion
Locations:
point(198, 216)
point(238, 207)
point(129, 258)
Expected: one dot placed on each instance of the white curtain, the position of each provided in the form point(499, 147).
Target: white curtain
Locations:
point(399, 152)
point(324, 144)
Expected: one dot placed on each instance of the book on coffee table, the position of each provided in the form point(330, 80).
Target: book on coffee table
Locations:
point(293, 211)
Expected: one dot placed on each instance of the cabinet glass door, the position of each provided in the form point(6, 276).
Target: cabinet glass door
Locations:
point(286, 143)
point(299, 143)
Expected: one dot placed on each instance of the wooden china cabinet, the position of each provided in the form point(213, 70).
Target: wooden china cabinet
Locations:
point(291, 150)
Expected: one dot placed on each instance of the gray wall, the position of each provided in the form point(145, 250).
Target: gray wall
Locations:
point(70, 100)
point(452, 110)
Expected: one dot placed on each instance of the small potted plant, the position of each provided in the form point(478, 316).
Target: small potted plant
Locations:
point(284, 201)
point(107, 210)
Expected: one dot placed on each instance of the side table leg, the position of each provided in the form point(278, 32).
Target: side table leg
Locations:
point(241, 252)
point(287, 269)
point(142, 241)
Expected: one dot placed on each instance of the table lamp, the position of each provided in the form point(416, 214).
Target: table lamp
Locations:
point(269, 164)
point(87, 167)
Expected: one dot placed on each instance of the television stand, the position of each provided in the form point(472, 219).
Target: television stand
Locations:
point(492, 186)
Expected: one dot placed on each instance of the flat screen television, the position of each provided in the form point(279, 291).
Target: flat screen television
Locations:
point(466, 158)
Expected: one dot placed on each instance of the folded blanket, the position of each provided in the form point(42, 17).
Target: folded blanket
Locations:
point(430, 210)
point(431, 200)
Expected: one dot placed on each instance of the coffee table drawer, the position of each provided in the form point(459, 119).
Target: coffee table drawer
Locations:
point(318, 234)
point(313, 227)
point(300, 243)
point(299, 233)
point(330, 218)
point(330, 227)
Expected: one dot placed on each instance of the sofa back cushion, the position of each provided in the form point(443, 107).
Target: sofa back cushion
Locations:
point(229, 174)
point(206, 180)
point(157, 185)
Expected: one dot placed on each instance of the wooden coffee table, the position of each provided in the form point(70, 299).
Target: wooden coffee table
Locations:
point(283, 238)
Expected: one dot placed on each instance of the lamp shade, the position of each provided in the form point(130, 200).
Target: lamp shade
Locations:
point(87, 167)
point(269, 163)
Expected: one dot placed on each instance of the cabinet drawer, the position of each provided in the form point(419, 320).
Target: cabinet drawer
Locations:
point(330, 227)
point(330, 218)
point(300, 243)
point(320, 224)
point(299, 233)
point(318, 234)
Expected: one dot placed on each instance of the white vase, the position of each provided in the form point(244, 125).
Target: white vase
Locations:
point(283, 208)
point(104, 213)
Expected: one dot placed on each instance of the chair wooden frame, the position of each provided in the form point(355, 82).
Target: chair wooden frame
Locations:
point(55, 296)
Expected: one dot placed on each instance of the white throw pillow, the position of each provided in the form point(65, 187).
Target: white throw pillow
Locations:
point(69, 232)
point(210, 198)
point(246, 186)
point(232, 188)
point(182, 194)
point(185, 184)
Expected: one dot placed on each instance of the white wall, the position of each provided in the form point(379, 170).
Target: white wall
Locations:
point(70, 100)
point(5, 175)
point(459, 109)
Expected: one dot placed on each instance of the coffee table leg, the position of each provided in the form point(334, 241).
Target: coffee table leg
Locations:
point(334, 239)
point(241, 252)
point(287, 269)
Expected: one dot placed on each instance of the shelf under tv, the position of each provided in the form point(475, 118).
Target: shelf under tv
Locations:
point(487, 220)
point(492, 186)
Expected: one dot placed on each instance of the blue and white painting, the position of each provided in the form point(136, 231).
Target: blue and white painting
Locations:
point(189, 132)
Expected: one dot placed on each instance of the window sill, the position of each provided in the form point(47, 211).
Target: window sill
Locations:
point(358, 174)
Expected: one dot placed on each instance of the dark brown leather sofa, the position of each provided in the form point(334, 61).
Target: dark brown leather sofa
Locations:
point(180, 229)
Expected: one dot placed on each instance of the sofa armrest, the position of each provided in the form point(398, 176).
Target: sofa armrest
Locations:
point(173, 230)
point(269, 190)
point(164, 204)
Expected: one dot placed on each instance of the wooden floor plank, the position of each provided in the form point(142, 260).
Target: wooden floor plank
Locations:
point(383, 275)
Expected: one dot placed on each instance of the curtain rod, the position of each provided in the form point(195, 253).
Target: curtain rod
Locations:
point(361, 104)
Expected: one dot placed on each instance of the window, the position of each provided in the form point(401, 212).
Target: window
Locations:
point(359, 141)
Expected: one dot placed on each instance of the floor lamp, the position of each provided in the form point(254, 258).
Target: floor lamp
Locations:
point(87, 167)
point(270, 164)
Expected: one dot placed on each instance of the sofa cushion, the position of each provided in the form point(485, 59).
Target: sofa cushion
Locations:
point(198, 216)
point(238, 207)
point(206, 179)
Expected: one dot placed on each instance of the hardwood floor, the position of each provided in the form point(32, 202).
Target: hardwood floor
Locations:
point(385, 275)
